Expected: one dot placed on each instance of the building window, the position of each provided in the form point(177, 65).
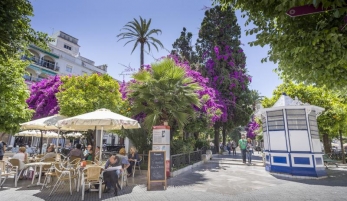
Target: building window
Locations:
point(263, 122)
point(69, 69)
point(275, 120)
point(313, 125)
point(296, 119)
point(67, 47)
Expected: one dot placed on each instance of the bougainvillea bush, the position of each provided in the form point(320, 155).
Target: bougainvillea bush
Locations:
point(42, 97)
point(253, 128)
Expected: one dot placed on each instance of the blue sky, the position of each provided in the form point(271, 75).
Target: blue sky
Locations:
point(97, 23)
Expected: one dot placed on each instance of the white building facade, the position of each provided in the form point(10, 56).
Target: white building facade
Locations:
point(63, 59)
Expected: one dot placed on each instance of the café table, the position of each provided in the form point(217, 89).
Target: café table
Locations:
point(35, 165)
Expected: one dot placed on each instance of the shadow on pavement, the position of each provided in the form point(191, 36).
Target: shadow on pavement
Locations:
point(335, 178)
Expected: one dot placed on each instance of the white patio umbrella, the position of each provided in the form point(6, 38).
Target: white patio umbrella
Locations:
point(102, 118)
point(74, 135)
point(37, 133)
point(46, 123)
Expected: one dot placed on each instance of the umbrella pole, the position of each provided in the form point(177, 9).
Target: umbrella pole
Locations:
point(41, 142)
point(56, 150)
point(101, 138)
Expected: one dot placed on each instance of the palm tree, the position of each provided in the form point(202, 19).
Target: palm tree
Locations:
point(140, 33)
point(164, 94)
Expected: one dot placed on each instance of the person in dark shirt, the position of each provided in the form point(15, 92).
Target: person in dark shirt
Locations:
point(77, 152)
point(2, 149)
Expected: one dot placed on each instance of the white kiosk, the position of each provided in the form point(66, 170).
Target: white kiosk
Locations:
point(291, 138)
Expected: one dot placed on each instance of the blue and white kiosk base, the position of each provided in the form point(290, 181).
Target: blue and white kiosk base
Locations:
point(295, 164)
point(291, 138)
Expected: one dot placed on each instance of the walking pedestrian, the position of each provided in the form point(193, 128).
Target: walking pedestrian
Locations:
point(233, 147)
point(229, 147)
point(243, 146)
point(249, 150)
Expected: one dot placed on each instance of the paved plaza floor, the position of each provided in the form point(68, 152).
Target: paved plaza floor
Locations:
point(223, 178)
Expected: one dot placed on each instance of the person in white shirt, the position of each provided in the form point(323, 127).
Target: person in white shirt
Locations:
point(22, 157)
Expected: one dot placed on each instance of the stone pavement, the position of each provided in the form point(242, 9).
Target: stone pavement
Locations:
point(223, 178)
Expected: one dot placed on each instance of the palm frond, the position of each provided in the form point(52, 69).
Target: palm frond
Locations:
point(135, 45)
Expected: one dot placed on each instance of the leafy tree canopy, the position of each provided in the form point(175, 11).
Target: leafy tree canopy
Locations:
point(13, 93)
point(309, 48)
point(183, 47)
point(87, 93)
point(334, 116)
point(15, 30)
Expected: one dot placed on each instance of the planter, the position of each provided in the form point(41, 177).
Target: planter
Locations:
point(185, 169)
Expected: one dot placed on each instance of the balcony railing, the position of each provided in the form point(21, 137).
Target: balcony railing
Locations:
point(31, 78)
point(42, 62)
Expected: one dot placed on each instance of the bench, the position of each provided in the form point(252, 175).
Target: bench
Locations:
point(328, 161)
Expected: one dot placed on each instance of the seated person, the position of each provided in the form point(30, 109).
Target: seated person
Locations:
point(132, 157)
point(22, 156)
point(112, 179)
point(97, 153)
point(50, 153)
point(86, 151)
point(76, 152)
point(89, 156)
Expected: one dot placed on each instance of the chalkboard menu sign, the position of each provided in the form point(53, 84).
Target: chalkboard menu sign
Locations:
point(156, 167)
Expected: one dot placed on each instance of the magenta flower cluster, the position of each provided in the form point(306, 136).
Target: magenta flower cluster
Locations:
point(252, 127)
point(42, 97)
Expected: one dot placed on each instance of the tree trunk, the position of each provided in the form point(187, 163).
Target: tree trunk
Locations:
point(216, 137)
point(224, 135)
point(342, 148)
point(196, 135)
point(326, 143)
point(142, 55)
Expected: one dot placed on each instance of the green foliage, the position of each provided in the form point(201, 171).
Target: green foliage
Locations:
point(15, 30)
point(13, 94)
point(87, 93)
point(200, 143)
point(310, 48)
point(139, 33)
point(179, 146)
point(183, 47)
point(141, 138)
point(163, 93)
point(334, 116)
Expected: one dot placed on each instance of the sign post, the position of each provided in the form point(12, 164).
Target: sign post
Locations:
point(156, 168)
point(161, 142)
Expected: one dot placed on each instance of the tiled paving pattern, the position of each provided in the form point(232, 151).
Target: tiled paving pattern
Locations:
point(223, 178)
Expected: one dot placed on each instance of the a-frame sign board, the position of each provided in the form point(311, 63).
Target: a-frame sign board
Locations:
point(156, 168)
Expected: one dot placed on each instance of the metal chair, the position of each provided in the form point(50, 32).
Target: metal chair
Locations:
point(92, 175)
point(6, 170)
point(63, 175)
point(137, 164)
point(18, 167)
